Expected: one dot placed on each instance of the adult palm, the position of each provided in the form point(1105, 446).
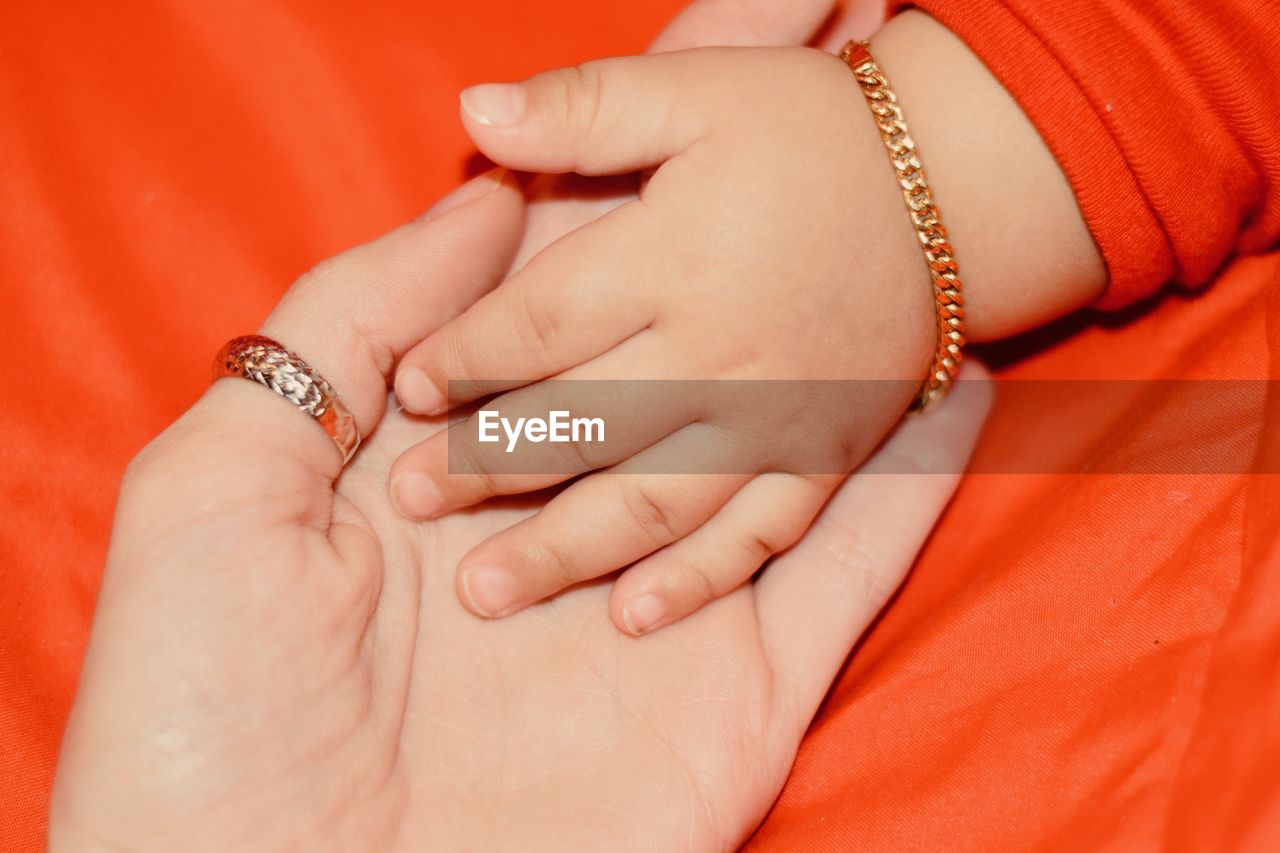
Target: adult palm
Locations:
point(279, 661)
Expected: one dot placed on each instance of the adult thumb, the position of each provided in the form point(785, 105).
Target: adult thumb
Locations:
point(349, 319)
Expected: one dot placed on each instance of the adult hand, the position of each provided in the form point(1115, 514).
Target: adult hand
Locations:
point(279, 661)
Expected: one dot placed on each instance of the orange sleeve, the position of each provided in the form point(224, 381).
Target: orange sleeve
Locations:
point(1164, 115)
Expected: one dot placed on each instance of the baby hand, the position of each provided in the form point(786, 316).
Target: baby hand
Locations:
point(771, 243)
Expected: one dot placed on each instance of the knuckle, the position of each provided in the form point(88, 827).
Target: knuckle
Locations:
point(457, 356)
point(537, 325)
point(583, 454)
point(699, 584)
point(650, 516)
point(470, 461)
point(756, 545)
point(482, 483)
point(783, 527)
point(759, 545)
point(555, 569)
point(583, 88)
point(370, 347)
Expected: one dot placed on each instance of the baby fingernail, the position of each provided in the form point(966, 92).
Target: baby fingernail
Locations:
point(416, 496)
point(417, 393)
point(494, 104)
point(644, 613)
point(489, 591)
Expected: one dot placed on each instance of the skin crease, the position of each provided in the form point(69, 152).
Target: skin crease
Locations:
point(730, 227)
point(278, 660)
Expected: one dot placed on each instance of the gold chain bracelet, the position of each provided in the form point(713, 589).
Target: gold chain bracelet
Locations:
point(948, 292)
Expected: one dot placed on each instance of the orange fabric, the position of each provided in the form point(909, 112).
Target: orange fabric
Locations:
point(1075, 662)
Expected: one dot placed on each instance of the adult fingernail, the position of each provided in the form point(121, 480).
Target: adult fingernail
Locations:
point(478, 187)
point(417, 393)
point(494, 104)
point(416, 496)
point(489, 591)
point(644, 613)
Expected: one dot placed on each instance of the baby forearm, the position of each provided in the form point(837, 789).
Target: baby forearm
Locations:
point(1025, 253)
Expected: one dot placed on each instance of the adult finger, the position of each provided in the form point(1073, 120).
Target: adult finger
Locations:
point(350, 319)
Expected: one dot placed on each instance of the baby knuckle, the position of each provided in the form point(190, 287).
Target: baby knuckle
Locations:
point(371, 349)
point(760, 545)
point(556, 570)
point(700, 584)
point(583, 88)
point(471, 462)
point(538, 325)
point(458, 356)
point(484, 482)
point(648, 513)
point(583, 452)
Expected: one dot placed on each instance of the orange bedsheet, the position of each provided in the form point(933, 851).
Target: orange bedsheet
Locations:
point(1076, 660)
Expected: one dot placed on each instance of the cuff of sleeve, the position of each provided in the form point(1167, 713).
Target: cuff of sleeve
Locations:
point(1137, 252)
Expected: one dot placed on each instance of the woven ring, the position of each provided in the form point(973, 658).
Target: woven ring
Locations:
point(268, 363)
